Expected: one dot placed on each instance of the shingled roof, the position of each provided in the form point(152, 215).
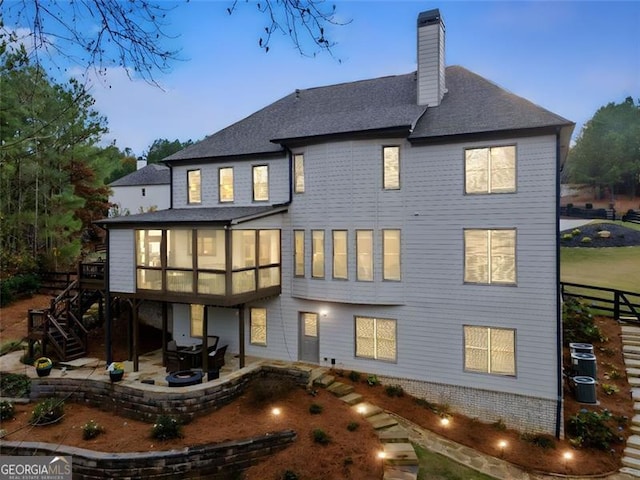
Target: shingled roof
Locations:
point(471, 105)
point(153, 174)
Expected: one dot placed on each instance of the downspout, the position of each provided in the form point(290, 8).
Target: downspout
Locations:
point(170, 185)
point(558, 295)
point(107, 307)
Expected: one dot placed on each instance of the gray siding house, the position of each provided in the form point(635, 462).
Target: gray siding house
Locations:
point(148, 188)
point(403, 226)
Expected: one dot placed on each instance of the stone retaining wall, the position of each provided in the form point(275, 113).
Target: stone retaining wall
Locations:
point(145, 402)
point(221, 461)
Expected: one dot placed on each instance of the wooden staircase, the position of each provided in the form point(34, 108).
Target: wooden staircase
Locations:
point(60, 329)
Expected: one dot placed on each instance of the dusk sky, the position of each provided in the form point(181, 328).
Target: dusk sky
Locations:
point(569, 57)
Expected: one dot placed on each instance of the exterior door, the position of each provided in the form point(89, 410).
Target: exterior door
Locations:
point(309, 346)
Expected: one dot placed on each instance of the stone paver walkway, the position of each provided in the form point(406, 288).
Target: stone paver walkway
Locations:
point(631, 354)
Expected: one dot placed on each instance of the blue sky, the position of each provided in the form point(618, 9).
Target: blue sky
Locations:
point(569, 57)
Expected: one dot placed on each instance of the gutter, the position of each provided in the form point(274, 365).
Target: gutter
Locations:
point(558, 296)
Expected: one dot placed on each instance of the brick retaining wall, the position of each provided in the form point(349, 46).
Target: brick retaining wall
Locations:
point(221, 461)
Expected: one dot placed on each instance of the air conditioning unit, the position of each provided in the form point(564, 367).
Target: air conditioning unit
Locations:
point(581, 348)
point(584, 389)
point(584, 364)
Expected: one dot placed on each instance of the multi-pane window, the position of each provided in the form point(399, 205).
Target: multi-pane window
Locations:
point(179, 260)
point(490, 256)
point(258, 326)
point(197, 320)
point(364, 255)
point(225, 184)
point(211, 256)
point(298, 253)
point(261, 183)
point(194, 186)
point(391, 254)
point(243, 259)
point(490, 170)
point(340, 254)
point(317, 253)
point(376, 338)
point(298, 173)
point(490, 350)
point(268, 258)
point(391, 168)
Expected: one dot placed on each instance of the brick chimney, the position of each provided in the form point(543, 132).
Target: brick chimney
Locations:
point(431, 81)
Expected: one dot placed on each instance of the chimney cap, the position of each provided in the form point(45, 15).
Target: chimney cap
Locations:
point(429, 17)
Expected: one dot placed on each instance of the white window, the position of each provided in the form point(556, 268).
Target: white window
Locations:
point(258, 327)
point(194, 186)
point(261, 183)
point(364, 255)
point(489, 350)
point(490, 256)
point(317, 253)
point(298, 173)
point(225, 184)
point(391, 168)
point(340, 254)
point(298, 249)
point(376, 338)
point(490, 170)
point(197, 320)
point(391, 254)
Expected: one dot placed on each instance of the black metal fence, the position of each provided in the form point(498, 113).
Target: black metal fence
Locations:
point(619, 304)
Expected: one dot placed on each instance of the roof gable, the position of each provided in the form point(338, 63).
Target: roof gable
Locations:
point(153, 174)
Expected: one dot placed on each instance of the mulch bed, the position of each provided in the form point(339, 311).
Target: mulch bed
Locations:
point(619, 236)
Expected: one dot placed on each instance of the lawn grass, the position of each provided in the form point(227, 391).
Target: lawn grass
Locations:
point(433, 466)
point(617, 268)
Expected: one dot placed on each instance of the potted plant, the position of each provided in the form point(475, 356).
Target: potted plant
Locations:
point(116, 371)
point(43, 366)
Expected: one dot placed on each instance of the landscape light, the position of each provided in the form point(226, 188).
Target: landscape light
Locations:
point(362, 409)
point(276, 411)
point(444, 421)
point(502, 444)
point(382, 454)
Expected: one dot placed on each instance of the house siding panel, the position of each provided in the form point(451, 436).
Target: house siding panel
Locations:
point(122, 264)
point(242, 180)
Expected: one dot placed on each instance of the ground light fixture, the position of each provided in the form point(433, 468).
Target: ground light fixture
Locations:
point(362, 409)
point(502, 444)
point(444, 421)
point(382, 455)
point(567, 457)
point(276, 411)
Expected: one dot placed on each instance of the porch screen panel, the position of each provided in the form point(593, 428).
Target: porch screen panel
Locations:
point(211, 249)
point(180, 281)
point(148, 248)
point(243, 281)
point(179, 249)
point(243, 248)
point(211, 283)
point(268, 277)
point(149, 279)
point(269, 247)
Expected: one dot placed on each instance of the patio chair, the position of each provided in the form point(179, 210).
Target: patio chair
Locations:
point(175, 362)
point(212, 343)
point(216, 362)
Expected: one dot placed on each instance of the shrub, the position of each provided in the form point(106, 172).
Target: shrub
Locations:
point(290, 475)
point(372, 380)
point(320, 436)
point(354, 376)
point(166, 428)
point(347, 461)
point(315, 409)
point(609, 389)
point(14, 385)
point(591, 430)
point(6, 410)
point(46, 411)
point(394, 390)
point(500, 425)
point(91, 429)
point(585, 240)
point(10, 346)
point(614, 374)
point(543, 441)
point(567, 237)
point(18, 284)
point(578, 324)
point(353, 426)
point(575, 232)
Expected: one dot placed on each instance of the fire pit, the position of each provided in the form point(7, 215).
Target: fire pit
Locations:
point(184, 378)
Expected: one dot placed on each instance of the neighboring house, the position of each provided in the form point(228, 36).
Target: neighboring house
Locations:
point(148, 188)
point(403, 226)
